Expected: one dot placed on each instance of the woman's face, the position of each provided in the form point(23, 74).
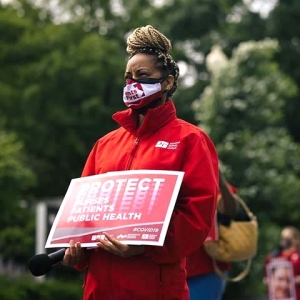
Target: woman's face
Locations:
point(281, 283)
point(144, 66)
point(287, 239)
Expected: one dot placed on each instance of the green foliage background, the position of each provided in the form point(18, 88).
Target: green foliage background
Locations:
point(61, 79)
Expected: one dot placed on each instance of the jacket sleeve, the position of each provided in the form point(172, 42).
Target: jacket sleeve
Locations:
point(89, 167)
point(196, 204)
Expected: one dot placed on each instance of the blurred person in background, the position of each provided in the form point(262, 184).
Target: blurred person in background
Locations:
point(288, 250)
point(124, 272)
point(203, 282)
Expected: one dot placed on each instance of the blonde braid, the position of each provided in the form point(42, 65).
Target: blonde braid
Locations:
point(148, 37)
point(150, 41)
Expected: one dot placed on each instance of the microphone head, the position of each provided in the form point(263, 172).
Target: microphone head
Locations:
point(40, 264)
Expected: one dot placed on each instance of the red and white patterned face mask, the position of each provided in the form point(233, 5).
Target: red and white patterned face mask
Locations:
point(140, 92)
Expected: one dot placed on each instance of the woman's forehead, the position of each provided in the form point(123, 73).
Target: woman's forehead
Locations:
point(140, 61)
point(287, 232)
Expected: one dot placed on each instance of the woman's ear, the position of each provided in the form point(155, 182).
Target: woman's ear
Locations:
point(169, 82)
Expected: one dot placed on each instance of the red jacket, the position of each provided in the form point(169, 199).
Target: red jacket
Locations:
point(200, 263)
point(160, 272)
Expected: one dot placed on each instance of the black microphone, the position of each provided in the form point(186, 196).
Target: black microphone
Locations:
point(42, 263)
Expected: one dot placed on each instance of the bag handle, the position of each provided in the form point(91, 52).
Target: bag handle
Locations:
point(245, 207)
point(237, 278)
point(246, 270)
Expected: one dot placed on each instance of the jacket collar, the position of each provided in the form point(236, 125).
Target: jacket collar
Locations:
point(155, 119)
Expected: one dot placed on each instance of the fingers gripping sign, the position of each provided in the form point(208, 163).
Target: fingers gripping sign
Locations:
point(114, 246)
point(74, 254)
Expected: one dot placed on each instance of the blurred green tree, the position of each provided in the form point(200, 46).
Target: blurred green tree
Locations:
point(283, 24)
point(58, 90)
point(16, 177)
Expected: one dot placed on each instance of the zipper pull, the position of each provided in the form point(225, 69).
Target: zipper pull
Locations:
point(135, 144)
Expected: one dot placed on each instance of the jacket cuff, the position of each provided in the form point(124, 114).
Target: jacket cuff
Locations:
point(81, 266)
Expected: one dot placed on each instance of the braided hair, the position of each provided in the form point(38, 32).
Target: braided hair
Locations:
point(150, 41)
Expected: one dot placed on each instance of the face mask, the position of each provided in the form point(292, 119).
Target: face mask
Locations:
point(285, 243)
point(142, 94)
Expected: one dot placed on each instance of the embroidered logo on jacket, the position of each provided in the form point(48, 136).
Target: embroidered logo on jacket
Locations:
point(166, 145)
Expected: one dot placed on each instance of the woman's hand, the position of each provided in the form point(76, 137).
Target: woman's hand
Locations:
point(74, 255)
point(228, 204)
point(118, 248)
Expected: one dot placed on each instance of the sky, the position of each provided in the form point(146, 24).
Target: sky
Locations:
point(262, 6)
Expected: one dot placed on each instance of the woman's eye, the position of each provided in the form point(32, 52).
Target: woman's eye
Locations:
point(143, 75)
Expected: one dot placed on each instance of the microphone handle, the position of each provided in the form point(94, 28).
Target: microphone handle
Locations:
point(57, 256)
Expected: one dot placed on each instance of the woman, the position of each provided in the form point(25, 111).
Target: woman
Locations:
point(281, 283)
point(203, 282)
point(118, 271)
point(288, 250)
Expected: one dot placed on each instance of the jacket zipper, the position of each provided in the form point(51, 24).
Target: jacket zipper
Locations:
point(160, 287)
point(111, 296)
point(133, 150)
point(136, 142)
